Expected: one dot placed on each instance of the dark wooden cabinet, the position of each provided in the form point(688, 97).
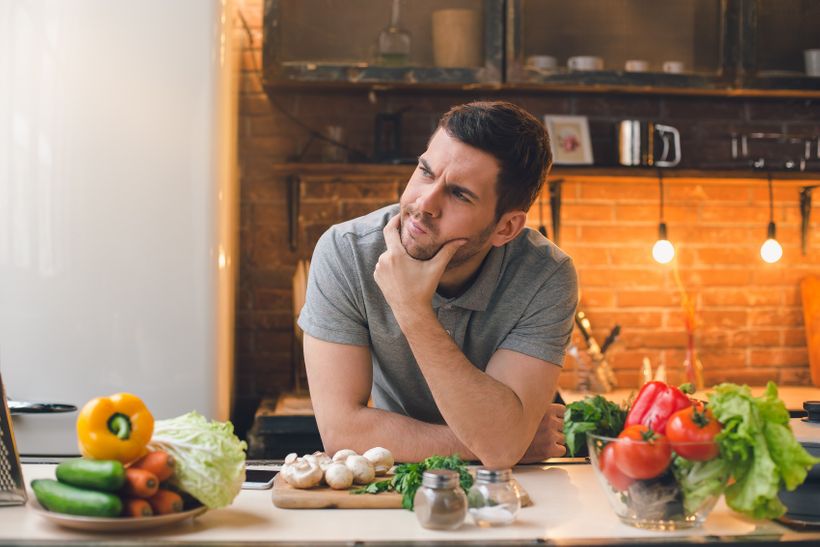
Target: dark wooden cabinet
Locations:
point(340, 42)
point(722, 47)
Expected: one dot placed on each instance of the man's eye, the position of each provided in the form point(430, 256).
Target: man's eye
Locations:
point(461, 195)
point(426, 172)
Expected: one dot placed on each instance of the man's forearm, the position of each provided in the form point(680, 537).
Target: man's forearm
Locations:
point(497, 438)
point(408, 439)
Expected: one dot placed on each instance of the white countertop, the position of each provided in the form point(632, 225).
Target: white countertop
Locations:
point(568, 505)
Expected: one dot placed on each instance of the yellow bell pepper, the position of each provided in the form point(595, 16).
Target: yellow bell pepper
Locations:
point(114, 428)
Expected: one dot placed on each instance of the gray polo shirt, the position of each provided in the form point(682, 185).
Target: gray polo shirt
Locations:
point(523, 300)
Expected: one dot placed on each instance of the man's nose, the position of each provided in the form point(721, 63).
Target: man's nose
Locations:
point(429, 201)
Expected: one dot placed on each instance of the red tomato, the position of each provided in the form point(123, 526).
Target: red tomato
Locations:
point(606, 461)
point(694, 425)
point(641, 453)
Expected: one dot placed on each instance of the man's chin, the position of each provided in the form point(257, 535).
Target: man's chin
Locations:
point(419, 253)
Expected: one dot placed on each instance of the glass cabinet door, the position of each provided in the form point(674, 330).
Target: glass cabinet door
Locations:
point(670, 42)
point(783, 45)
point(411, 41)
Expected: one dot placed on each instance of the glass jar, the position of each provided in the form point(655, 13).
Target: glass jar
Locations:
point(493, 499)
point(440, 502)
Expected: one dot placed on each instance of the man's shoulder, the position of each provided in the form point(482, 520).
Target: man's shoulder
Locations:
point(532, 250)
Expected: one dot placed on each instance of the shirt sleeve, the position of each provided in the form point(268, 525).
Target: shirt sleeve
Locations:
point(546, 325)
point(334, 310)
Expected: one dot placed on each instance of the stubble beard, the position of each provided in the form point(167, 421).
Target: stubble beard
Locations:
point(429, 250)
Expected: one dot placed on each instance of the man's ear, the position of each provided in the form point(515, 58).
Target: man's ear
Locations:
point(508, 227)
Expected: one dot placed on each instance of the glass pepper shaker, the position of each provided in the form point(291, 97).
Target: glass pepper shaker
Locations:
point(440, 502)
point(493, 499)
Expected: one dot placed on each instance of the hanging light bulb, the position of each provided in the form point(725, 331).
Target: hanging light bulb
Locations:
point(662, 251)
point(771, 251)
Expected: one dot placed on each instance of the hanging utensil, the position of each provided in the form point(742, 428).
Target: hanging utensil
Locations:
point(555, 209)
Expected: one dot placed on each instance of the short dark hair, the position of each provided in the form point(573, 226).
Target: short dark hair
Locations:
point(516, 138)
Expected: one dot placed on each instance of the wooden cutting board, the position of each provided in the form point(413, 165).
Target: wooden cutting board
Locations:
point(287, 497)
point(810, 288)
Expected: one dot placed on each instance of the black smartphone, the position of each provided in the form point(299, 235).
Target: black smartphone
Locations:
point(259, 479)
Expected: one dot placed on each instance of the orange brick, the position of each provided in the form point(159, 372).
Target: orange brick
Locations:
point(633, 358)
point(724, 277)
point(728, 358)
point(794, 376)
point(757, 337)
point(794, 337)
point(724, 318)
point(647, 298)
point(779, 357)
point(632, 256)
point(730, 296)
point(619, 278)
point(587, 212)
point(617, 192)
point(616, 234)
point(657, 340)
point(597, 298)
point(638, 319)
point(776, 317)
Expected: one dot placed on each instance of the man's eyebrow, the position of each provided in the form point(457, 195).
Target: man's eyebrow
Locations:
point(426, 165)
point(462, 189)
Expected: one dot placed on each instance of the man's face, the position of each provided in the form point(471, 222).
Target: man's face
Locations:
point(450, 196)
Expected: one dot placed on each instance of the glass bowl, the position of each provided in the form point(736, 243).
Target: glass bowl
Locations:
point(680, 496)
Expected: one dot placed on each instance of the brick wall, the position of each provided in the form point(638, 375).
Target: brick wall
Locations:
point(749, 315)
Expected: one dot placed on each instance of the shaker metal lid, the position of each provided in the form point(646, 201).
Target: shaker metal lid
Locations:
point(493, 475)
point(440, 478)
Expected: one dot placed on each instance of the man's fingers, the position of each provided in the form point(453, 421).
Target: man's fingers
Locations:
point(391, 232)
point(557, 409)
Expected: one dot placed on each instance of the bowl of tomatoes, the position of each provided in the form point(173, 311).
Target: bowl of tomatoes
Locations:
point(665, 480)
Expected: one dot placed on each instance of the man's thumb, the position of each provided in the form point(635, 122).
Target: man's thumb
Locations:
point(449, 249)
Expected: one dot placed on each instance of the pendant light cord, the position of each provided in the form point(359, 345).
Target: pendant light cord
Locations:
point(771, 198)
point(660, 188)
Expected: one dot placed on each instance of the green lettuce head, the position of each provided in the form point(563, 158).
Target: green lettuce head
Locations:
point(210, 459)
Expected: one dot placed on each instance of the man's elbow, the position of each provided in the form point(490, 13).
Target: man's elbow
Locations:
point(498, 457)
point(343, 431)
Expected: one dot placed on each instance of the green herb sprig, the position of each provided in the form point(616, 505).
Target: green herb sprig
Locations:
point(408, 476)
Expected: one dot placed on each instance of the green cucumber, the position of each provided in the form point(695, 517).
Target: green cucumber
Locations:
point(105, 475)
point(64, 498)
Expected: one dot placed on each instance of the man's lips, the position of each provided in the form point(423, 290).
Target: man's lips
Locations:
point(415, 228)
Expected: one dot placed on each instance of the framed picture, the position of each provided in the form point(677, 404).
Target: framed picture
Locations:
point(569, 137)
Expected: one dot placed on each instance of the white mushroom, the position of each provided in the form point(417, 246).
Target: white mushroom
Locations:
point(342, 455)
point(380, 458)
point(338, 476)
point(362, 469)
point(319, 458)
point(302, 473)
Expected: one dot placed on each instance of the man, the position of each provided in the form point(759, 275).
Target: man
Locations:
point(446, 309)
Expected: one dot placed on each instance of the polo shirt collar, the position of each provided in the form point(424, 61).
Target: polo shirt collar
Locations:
point(477, 296)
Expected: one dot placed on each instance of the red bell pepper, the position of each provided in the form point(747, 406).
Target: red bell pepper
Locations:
point(655, 403)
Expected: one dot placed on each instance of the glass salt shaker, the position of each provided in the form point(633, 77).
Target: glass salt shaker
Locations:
point(440, 502)
point(493, 499)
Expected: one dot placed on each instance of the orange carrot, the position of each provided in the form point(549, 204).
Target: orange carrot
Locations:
point(165, 501)
point(158, 462)
point(140, 483)
point(136, 507)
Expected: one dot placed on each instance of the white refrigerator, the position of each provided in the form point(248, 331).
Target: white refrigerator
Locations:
point(118, 208)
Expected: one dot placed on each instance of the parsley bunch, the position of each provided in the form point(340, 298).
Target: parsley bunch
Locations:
point(407, 479)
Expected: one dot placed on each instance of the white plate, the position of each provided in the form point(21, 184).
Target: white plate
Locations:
point(114, 524)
